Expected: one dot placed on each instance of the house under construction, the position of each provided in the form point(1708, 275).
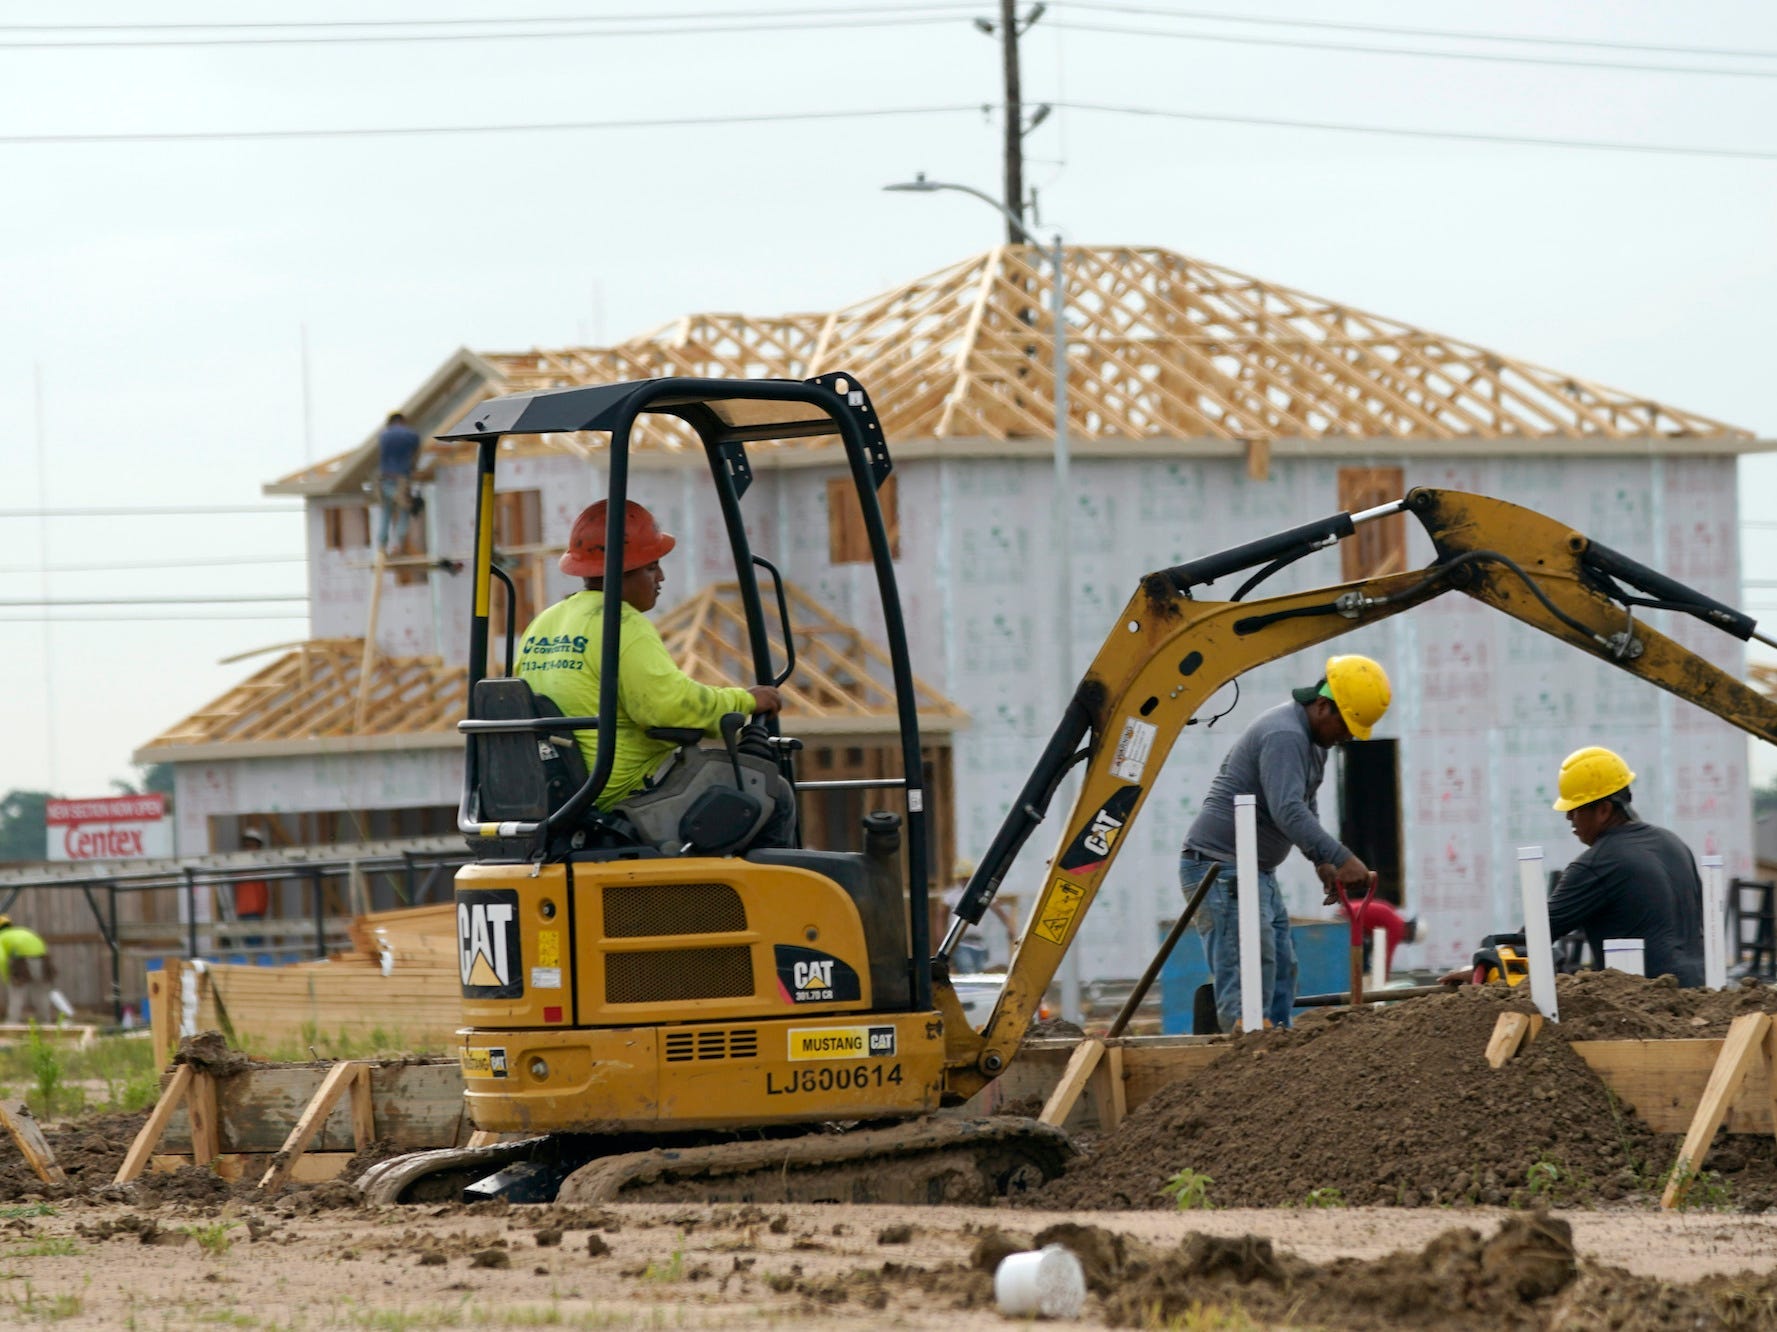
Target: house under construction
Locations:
point(1206, 408)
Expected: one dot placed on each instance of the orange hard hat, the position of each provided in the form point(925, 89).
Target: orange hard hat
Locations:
point(643, 541)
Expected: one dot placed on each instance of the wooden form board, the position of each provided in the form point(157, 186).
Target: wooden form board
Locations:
point(1137, 1065)
point(1742, 1051)
point(1662, 1082)
point(412, 1105)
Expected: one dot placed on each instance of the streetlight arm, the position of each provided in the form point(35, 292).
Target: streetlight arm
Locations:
point(924, 186)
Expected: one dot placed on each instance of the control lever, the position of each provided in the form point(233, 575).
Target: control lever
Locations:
point(730, 726)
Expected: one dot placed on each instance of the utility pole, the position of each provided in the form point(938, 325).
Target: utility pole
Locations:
point(1014, 113)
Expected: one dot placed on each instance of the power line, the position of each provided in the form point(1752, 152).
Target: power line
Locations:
point(957, 6)
point(139, 619)
point(552, 34)
point(407, 131)
point(55, 603)
point(1422, 53)
point(1458, 136)
point(799, 117)
point(1450, 34)
point(200, 563)
point(149, 511)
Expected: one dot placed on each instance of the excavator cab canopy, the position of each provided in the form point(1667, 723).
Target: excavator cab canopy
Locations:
point(727, 415)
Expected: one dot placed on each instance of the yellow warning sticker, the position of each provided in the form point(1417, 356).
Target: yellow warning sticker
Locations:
point(1059, 909)
point(549, 948)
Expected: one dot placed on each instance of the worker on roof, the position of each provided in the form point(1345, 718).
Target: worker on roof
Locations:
point(24, 962)
point(1280, 759)
point(1633, 880)
point(559, 658)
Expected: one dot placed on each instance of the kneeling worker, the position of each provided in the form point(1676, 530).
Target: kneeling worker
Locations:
point(1633, 880)
point(559, 658)
point(1280, 759)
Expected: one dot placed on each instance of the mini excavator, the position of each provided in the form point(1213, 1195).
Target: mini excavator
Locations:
point(696, 1020)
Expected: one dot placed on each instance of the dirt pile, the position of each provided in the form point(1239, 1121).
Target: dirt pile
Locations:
point(1614, 1006)
point(1524, 1276)
point(1390, 1105)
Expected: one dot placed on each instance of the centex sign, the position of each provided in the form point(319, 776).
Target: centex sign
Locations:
point(109, 828)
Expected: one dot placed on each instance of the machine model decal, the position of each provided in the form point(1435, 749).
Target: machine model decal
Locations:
point(1059, 908)
point(1093, 846)
point(487, 943)
point(842, 1043)
point(1131, 758)
point(489, 1063)
point(809, 976)
point(852, 1077)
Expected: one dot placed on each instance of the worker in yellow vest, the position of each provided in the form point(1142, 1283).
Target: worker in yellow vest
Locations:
point(24, 962)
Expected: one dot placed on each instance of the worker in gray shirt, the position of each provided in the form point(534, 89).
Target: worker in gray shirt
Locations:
point(1279, 760)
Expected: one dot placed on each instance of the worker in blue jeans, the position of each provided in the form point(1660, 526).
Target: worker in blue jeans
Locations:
point(1279, 760)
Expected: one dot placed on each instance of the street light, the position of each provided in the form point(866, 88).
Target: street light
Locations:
point(1064, 542)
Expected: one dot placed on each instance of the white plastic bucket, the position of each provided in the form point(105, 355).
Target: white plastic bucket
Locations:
point(1625, 955)
point(1047, 1282)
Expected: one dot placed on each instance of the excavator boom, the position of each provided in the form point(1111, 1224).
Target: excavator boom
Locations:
point(1168, 653)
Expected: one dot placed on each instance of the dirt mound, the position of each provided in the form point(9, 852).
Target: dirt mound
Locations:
point(1523, 1276)
point(209, 1052)
point(1615, 1006)
point(1391, 1105)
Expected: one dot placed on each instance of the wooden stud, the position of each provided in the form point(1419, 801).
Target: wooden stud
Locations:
point(1073, 1081)
point(1510, 1032)
point(22, 1125)
point(1742, 1048)
point(136, 1159)
point(338, 1081)
point(483, 1138)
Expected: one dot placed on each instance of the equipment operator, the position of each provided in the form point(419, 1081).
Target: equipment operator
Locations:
point(1280, 759)
point(559, 658)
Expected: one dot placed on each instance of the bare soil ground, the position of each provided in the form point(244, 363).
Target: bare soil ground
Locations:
point(99, 1264)
point(1377, 1174)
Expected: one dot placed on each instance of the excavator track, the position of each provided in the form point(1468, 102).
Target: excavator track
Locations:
point(931, 1161)
point(926, 1162)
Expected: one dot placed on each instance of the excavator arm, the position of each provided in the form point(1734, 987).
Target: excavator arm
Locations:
point(1169, 653)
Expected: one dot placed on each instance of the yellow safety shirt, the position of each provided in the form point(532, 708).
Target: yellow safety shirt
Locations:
point(17, 941)
point(559, 658)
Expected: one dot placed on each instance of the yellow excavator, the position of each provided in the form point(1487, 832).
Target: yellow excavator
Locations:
point(669, 1015)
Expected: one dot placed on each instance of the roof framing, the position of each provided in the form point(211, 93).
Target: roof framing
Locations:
point(1160, 346)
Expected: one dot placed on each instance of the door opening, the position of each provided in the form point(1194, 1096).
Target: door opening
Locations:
point(1370, 810)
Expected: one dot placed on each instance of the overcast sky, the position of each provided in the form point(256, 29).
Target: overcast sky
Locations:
point(155, 292)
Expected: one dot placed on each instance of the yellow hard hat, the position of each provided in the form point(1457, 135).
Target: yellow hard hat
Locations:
point(1591, 774)
point(1359, 689)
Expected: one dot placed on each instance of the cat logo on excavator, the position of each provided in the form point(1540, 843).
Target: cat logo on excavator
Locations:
point(487, 944)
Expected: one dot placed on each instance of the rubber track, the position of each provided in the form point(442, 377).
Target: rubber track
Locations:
point(931, 1161)
point(389, 1181)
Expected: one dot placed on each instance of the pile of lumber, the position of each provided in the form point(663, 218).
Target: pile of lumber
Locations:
point(397, 986)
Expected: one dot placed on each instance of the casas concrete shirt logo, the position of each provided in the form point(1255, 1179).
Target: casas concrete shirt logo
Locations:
point(487, 944)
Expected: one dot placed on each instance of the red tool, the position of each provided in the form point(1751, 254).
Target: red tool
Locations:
point(1355, 914)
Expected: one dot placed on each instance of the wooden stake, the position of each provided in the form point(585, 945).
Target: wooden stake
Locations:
point(1511, 1031)
point(1771, 1071)
point(206, 1131)
point(363, 1112)
point(1744, 1045)
point(136, 1159)
point(1074, 1077)
point(1114, 1104)
point(338, 1081)
point(22, 1125)
point(483, 1138)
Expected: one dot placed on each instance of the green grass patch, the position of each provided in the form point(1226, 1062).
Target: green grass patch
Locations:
point(50, 1246)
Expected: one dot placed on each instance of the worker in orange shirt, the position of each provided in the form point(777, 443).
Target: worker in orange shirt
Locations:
point(252, 897)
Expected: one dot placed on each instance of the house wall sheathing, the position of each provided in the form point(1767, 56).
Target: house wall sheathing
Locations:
point(1485, 708)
